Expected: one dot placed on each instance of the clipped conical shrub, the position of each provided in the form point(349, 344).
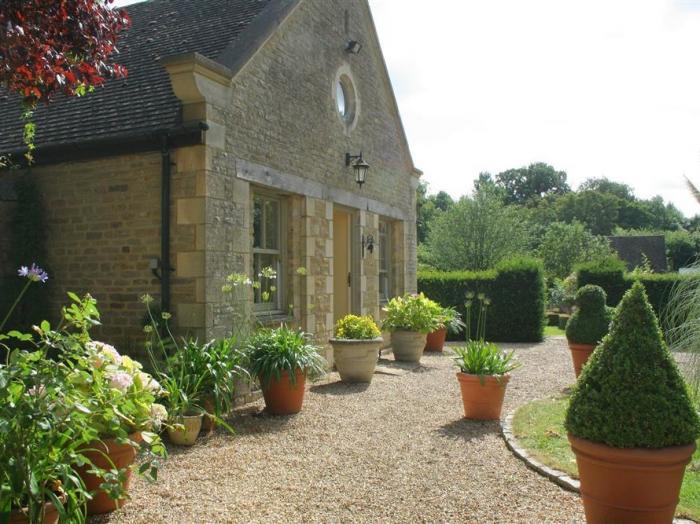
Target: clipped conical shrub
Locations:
point(590, 321)
point(631, 394)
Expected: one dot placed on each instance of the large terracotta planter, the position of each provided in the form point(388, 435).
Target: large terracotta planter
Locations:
point(49, 513)
point(356, 359)
point(435, 341)
point(580, 353)
point(407, 345)
point(281, 396)
point(187, 434)
point(482, 396)
point(630, 486)
point(118, 456)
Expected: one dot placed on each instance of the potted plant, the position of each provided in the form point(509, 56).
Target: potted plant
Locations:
point(449, 321)
point(631, 422)
point(356, 348)
point(484, 369)
point(282, 359)
point(588, 325)
point(409, 319)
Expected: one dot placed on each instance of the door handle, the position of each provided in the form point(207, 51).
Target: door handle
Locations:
point(349, 279)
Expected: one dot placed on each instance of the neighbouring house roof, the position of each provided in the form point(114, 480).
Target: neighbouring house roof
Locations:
point(631, 249)
point(226, 31)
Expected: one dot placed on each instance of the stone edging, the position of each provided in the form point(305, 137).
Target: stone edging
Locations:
point(558, 477)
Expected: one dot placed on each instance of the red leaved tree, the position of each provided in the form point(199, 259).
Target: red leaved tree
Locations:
point(57, 46)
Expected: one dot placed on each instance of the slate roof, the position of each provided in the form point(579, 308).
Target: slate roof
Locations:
point(630, 250)
point(143, 102)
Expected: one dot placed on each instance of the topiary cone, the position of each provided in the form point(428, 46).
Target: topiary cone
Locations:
point(631, 422)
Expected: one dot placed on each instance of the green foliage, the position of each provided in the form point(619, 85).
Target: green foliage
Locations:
point(608, 273)
point(452, 320)
point(561, 293)
point(516, 288)
point(428, 207)
point(484, 359)
point(352, 327)
point(412, 313)
point(631, 394)
point(524, 185)
point(599, 212)
point(590, 322)
point(682, 248)
point(476, 234)
point(564, 321)
point(272, 351)
point(605, 185)
point(565, 245)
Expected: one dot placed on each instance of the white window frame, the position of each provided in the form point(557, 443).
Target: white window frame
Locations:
point(275, 306)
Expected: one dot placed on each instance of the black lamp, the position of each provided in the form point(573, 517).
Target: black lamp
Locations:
point(359, 166)
point(354, 47)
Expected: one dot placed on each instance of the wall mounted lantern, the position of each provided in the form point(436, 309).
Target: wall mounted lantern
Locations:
point(354, 47)
point(367, 244)
point(359, 166)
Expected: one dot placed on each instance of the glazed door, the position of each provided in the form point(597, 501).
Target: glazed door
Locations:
point(342, 265)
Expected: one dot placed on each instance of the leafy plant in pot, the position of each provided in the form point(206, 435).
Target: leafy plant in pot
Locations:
point(484, 369)
point(631, 422)
point(356, 348)
point(449, 321)
point(588, 325)
point(409, 319)
point(282, 359)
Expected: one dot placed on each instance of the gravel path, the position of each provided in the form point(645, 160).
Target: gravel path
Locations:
point(396, 451)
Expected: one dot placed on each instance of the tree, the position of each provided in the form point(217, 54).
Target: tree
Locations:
point(428, 206)
point(599, 212)
point(532, 183)
point(49, 47)
point(565, 245)
point(476, 233)
point(605, 185)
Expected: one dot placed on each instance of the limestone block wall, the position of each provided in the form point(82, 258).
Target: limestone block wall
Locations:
point(104, 228)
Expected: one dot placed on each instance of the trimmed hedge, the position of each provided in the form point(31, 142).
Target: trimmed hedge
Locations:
point(659, 286)
point(516, 289)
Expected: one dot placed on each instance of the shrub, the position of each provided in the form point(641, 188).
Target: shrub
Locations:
point(552, 319)
point(631, 394)
point(565, 245)
point(352, 327)
point(516, 288)
point(608, 273)
point(564, 321)
point(412, 313)
point(272, 351)
point(590, 321)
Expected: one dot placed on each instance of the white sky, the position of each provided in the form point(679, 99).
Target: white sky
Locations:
point(595, 87)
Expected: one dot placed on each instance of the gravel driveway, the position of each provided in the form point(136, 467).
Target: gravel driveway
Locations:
point(395, 451)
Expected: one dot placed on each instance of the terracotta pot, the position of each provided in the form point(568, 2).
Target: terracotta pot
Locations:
point(50, 514)
point(435, 341)
point(281, 396)
point(119, 456)
point(186, 435)
point(580, 354)
point(209, 423)
point(630, 486)
point(407, 345)
point(482, 401)
point(356, 359)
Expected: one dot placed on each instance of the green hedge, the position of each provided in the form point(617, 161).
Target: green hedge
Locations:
point(659, 286)
point(516, 289)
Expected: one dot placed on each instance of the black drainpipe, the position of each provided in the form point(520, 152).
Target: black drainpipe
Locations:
point(165, 266)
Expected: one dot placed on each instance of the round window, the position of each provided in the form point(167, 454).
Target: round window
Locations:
point(346, 100)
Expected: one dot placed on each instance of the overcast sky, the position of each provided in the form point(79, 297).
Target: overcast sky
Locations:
point(595, 88)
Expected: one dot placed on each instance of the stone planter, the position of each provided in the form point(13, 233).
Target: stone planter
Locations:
point(356, 359)
point(629, 486)
point(407, 345)
point(107, 454)
point(482, 396)
point(580, 353)
point(186, 435)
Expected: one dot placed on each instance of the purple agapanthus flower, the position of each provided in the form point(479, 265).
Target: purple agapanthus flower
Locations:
point(33, 273)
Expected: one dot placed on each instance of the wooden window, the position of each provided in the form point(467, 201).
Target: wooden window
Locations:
point(385, 262)
point(267, 252)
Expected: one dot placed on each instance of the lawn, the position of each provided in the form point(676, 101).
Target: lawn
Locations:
point(553, 331)
point(539, 427)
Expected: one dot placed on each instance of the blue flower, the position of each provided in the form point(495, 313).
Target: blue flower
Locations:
point(34, 273)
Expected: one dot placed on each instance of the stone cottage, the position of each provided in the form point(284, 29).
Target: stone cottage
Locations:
point(237, 143)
